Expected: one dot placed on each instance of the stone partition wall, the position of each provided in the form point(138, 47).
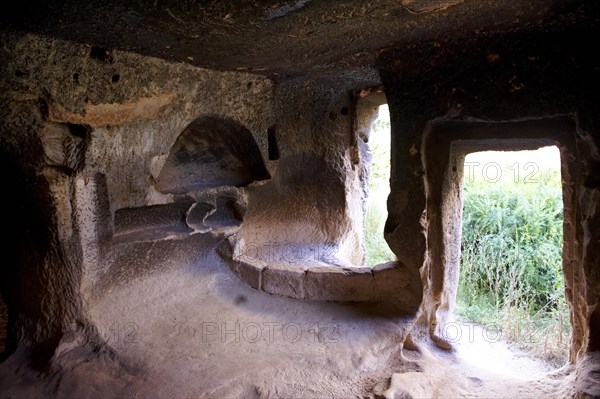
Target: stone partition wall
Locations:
point(526, 78)
point(311, 210)
point(278, 252)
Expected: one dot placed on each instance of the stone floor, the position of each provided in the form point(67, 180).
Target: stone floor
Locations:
point(195, 330)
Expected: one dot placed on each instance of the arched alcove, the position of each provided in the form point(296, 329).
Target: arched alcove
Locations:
point(211, 152)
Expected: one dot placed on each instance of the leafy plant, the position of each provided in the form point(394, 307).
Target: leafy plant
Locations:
point(377, 249)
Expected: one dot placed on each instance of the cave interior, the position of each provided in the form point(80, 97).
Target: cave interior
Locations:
point(191, 179)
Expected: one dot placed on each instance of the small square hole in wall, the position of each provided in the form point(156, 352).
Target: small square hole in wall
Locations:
point(273, 145)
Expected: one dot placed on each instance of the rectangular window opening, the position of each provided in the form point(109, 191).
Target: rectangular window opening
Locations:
point(379, 142)
point(273, 146)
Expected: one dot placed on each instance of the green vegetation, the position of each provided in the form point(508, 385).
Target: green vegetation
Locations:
point(511, 271)
point(377, 249)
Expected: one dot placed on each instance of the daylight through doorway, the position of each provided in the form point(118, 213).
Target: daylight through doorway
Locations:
point(511, 279)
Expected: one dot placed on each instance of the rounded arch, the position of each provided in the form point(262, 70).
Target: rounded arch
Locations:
point(211, 152)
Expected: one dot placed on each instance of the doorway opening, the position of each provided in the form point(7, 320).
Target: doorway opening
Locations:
point(510, 277)
point(379, 142)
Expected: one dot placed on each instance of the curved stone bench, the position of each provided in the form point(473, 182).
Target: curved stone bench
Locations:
point(390, 282)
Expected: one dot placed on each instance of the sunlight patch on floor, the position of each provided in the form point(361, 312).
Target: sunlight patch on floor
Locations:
point(484, 349)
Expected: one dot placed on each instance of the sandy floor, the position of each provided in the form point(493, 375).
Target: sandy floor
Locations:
point(481, 367)
point(196, 331)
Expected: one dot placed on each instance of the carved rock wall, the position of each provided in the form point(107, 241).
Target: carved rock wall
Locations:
point(83, 139)
point(90, 131)
point(507, 78)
